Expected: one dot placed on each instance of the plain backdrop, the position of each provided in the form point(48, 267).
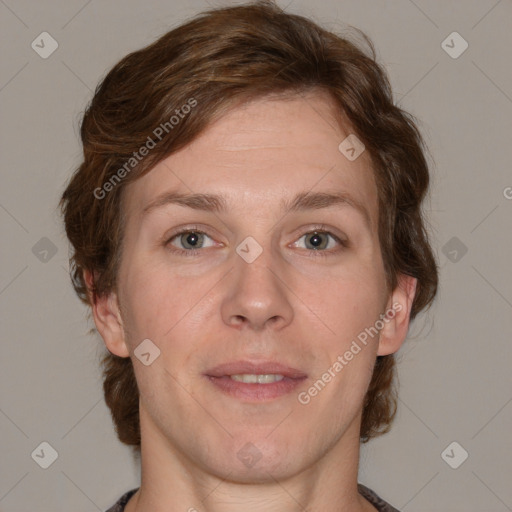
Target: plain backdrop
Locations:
point(454, 370)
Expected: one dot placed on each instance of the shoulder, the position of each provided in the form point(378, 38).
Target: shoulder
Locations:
point(375, 500)
point(121, 503)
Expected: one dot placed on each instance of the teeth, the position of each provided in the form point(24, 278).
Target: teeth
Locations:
point(250, 378)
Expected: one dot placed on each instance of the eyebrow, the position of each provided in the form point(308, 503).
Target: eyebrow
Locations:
point(302, 201)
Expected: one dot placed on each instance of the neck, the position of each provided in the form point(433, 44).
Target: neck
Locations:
point(171, 482)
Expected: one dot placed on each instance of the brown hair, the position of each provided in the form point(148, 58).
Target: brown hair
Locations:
point(216, 61)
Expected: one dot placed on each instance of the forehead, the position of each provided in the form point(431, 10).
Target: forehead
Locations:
point(264, 152)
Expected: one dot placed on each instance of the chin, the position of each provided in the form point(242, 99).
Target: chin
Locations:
point(252, 459)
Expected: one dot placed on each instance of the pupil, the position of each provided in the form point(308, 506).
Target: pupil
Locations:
point(316, 240)
point(192, 239)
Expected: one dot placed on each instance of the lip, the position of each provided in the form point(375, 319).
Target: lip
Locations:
point(257, 368)
point(220, 377)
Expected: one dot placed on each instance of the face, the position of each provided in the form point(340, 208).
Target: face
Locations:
point(252, 289)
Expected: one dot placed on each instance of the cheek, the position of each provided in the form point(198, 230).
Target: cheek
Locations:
point(348, 302)
point(150, 306)
point(159, 303)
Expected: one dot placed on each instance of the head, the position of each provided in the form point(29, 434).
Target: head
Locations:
point(249, 104)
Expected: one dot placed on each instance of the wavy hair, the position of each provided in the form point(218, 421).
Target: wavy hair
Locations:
point(220, 59)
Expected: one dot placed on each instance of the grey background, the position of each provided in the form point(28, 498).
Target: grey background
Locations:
point(454, 371)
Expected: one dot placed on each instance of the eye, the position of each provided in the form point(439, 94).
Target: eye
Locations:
point(189, 241)
point(320, 240)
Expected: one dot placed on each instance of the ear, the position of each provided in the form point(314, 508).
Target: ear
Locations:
point(397, 315)
point(107, 317)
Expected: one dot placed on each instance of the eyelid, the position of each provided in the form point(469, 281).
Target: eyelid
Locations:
point(183, 230)
point(321, 228)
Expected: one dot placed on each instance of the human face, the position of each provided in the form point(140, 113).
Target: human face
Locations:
point(212, 311)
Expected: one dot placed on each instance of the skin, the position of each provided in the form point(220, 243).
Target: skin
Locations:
point(290, 304)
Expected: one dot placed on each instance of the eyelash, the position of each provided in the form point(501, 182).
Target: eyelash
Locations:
point(316, 230)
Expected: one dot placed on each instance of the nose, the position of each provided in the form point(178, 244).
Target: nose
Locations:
point(257, 295)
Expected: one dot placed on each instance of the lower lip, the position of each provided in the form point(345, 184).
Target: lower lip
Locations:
point(256, 392)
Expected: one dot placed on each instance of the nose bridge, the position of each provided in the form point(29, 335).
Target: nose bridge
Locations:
point(257, 294)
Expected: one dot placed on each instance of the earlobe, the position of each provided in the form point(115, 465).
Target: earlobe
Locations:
point(397, 316)
point(107, 318)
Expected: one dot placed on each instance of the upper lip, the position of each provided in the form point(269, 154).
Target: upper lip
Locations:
point(255, 368)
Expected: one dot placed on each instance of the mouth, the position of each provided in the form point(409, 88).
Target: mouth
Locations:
point(255, 382)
